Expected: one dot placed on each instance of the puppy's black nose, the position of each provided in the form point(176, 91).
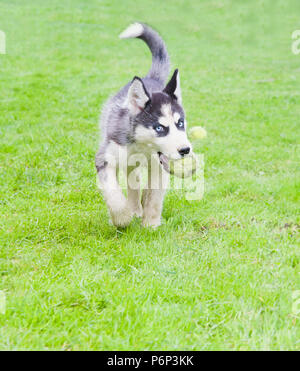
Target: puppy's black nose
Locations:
point(184, 151)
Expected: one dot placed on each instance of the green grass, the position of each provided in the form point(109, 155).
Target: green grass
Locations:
point(220, 273)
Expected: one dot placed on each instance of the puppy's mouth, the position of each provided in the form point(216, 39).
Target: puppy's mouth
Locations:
point(182, 168)
point(164, 160)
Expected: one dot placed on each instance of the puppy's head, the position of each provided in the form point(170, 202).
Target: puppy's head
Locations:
point(159, 120)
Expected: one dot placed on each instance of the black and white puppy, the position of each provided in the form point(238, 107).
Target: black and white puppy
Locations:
point(144, 117)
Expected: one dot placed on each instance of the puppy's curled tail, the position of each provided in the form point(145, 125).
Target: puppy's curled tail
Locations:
point(160, 59)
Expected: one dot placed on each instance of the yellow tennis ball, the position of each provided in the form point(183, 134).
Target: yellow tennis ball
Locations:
point(197, 132)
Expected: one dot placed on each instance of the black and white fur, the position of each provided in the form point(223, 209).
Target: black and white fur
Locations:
point(146, 117)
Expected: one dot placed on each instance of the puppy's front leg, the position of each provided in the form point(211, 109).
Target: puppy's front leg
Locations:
point(153, 197)
point(152, 202)
point(133, 190)
point(119, 209)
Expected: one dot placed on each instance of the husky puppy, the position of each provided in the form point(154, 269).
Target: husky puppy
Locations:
point(145, 117)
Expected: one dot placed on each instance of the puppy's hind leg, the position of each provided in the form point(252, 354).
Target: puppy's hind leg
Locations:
point(120, 211)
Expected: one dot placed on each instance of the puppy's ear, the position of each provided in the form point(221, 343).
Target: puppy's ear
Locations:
point(137, 97)
point(173, 87)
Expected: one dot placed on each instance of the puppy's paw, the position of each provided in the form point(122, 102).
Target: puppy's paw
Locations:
point(151, 222)
point(122, 217)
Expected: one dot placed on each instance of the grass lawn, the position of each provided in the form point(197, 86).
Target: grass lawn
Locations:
point(220, 273)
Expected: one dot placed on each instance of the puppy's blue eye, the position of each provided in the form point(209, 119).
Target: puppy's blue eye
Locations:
point(159, 128)
point(180, 124)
